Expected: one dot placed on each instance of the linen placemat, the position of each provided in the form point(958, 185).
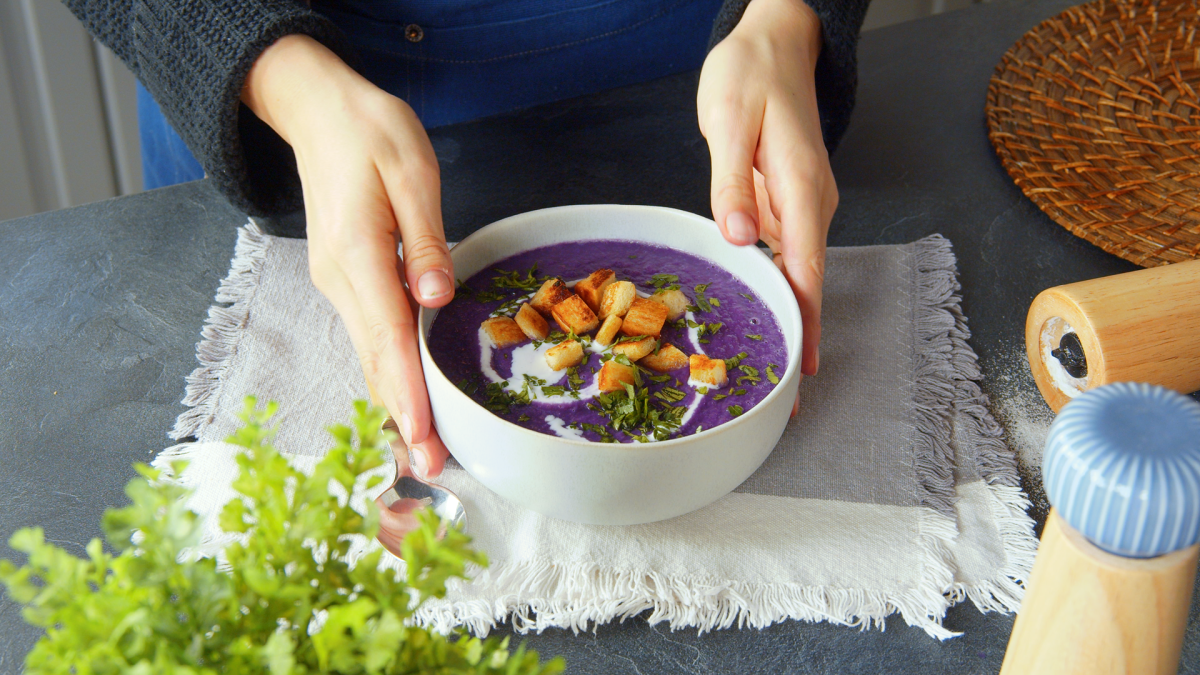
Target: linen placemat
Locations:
point(892, 491)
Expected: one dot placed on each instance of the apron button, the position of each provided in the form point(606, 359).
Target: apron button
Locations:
point(414, 33)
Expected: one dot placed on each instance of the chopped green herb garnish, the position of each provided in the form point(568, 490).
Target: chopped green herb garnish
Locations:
point(771, 375)
point(718, 397)
point(554, 390)
point(701, 301)
point(501, 400)
point(738, 392)
point(633, 412)
point(702, 390)
point(735, 410)
point(715, 302)
point(574, 381)
point(756, 338)
point(523, 418)
point(658, 379)
point(468, 386)
point(665, 281)
point(515, 280)
point(732, 363)
point(747, 296)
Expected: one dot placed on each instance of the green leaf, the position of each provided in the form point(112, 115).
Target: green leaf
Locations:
point(152, 607)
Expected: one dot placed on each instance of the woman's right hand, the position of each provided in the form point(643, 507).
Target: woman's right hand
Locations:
point(371, 183)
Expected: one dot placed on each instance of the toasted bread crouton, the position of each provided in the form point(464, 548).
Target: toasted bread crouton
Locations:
point(644, 318)
point(636, 349)
point(532, 323)
point(614, 376)
point(667, 359)
point(675, 302)
point(564, 354)
point(617, 298)
point(706, 372)
point(574, 316)
point(608, 330)
point(592, 288)
point(503, 331)
point(550, 294)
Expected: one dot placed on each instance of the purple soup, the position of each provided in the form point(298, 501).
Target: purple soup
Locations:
point(725, 320)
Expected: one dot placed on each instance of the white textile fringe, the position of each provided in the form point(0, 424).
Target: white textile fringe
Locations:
point(222, 331)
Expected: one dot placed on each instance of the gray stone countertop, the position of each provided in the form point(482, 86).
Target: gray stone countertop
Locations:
point(101, 307)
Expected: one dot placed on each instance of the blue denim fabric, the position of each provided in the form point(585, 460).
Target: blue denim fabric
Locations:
point(166, 159)
point(459, 60)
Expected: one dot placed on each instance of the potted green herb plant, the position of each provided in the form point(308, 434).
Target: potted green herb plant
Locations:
point(284, 599)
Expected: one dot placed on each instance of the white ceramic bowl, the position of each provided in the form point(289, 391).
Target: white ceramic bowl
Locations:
point(614, 483)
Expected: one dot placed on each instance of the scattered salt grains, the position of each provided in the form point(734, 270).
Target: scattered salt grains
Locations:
point(1026, 419)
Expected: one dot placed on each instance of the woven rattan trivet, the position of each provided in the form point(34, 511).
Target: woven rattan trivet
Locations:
point(1095, 116)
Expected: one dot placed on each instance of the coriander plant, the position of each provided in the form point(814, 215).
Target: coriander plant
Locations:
point(285, 600)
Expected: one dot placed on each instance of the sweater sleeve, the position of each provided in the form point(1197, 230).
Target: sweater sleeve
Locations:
point(193, 57)
point(837, 66)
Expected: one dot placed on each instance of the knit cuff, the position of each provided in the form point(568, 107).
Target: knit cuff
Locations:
point(194, 58)
point(836, 74)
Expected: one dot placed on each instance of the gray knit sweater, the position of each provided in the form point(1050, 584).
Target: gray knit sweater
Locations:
point(193, 57)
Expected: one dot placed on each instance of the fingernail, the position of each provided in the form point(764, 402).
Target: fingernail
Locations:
point(406, 428)
point(817, 365)
point(419, 463)
point(741, 227)
point(434, 284)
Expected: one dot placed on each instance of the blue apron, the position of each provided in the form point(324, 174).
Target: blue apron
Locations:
point(459, 60)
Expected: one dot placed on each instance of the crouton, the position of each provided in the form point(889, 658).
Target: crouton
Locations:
point(667, 359)
point(706, 372)
point(644, 318)
point(675, 302)
point(564, 355)
point(592, 288)
point(503, 331)
point(635, 349)
point(550, 294)
point(532, 323)
point(608, 330)
point(614, 376)
point(617, 298)
point(574, 316)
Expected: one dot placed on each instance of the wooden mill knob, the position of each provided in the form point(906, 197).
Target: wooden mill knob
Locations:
point(1113, 578)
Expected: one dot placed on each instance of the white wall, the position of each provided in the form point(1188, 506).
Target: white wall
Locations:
point(68, 114)
point(68, 118)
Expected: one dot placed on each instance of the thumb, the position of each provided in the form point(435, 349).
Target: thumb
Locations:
point(731, 144)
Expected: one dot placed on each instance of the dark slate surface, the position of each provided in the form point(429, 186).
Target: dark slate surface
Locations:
point(103, 304)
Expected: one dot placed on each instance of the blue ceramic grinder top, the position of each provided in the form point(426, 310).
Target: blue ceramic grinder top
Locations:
point(1122, 466)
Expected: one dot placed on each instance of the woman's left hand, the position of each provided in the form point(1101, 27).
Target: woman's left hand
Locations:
point(771, 179)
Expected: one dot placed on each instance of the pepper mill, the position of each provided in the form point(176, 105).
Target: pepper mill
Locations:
point(1141, 326)
point(1114, 573)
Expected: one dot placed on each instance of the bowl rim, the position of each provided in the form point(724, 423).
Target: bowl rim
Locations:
point(793, 360)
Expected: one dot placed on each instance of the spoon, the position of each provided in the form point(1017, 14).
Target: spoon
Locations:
point(410, 493)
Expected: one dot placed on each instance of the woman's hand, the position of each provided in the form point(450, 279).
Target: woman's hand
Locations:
point(770, 171)
point(371, 183)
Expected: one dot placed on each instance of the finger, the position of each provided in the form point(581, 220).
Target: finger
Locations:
point(768, 224)
point(732, 135)
point(428, 457)
point(385, 333)
point(414, 191)
point(804, 227)
point(395, 522)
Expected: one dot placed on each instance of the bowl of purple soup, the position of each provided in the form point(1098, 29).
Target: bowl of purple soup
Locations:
point(691, 413)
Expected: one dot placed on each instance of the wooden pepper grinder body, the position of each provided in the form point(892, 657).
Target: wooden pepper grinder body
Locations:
point(1114, 573)
point(1142, 326)
point(1089, 612)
